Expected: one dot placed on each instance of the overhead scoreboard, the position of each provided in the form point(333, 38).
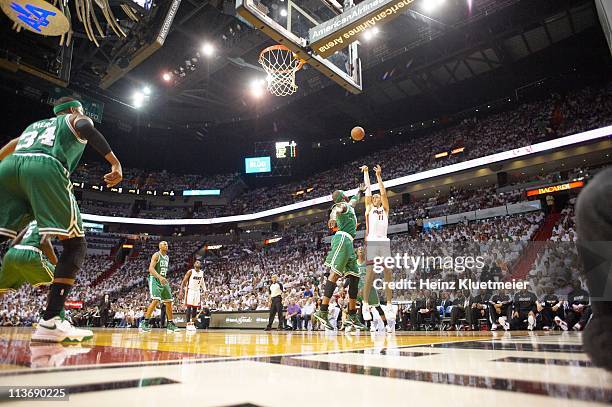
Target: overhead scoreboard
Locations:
point(271, 159)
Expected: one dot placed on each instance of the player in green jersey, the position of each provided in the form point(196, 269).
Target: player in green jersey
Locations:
point(159, 288)
point(30, 259)
point(341, 258)
point(35, 185)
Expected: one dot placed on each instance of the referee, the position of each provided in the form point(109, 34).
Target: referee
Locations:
point(276, 303)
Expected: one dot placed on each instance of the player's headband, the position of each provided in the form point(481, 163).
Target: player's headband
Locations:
point(66, 105)
point(340, 196)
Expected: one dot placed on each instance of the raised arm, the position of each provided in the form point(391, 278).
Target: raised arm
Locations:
point(8, 148)
point(368, 188)
point(357, 197)
point(381, 186)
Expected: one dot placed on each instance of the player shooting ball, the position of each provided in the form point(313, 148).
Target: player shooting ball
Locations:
point(378, 244)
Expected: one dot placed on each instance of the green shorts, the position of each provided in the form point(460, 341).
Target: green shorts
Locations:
point(341, 257)
point(158, 291)
point(37, 187)
point(25, 264)
point(373, 297)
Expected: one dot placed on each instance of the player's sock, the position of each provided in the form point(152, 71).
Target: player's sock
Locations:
point(57, 297)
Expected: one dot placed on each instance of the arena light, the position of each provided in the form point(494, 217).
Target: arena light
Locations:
point(138, 99)
point(431, 5)
point(208, 49)
point(370, 33)
point(257, 87)
point(166, 77)
point(602, 132)
point(283, 12)
point(146, 90)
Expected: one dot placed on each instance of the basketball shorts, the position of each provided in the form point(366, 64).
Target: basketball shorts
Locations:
point(373, 299)
point(159, 291)
point(192, 298)
point(25, 264)
point(377, 249)
point(341, 258)
point(37, 187)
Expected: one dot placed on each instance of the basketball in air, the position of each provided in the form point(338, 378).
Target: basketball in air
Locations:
point(358, 133)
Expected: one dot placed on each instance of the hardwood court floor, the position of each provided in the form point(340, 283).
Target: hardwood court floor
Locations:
point(245, 367)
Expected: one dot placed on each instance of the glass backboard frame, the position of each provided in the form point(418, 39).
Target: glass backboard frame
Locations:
point(282, 34)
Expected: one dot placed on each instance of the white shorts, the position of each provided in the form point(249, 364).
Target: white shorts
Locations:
point(192, 298)
point(377, 248)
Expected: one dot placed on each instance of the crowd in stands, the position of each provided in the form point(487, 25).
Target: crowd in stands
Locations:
point(98, 207)
point(92, 174)
point(526, 124)
point(237, 276)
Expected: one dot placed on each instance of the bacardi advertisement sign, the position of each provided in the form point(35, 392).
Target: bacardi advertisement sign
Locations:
point(551, 189)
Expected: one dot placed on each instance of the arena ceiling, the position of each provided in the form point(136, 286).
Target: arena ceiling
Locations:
point(415, 58)
point(421, 65)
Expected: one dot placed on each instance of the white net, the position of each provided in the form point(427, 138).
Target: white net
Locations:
point(281, 64)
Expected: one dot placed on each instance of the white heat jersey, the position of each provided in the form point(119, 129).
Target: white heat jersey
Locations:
point(378, 222)
point(196, 280)
point(193, 294)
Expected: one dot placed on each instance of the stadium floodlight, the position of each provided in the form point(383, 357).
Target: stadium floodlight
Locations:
point(370, 33)
point(138, 99)
point(146, 90)
point(257, 87)
point(166, 77)
point(430, 5)
point(208, 49)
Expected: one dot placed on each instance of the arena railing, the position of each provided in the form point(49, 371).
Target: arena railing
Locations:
point(566, 141)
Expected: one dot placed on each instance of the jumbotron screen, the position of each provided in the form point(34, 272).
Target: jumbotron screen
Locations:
point(256, 165)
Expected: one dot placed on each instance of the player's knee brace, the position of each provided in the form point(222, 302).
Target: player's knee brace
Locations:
point(329, 289)
point(353, 286)
point(72, 258)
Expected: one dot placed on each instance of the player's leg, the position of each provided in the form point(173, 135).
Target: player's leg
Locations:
point(155, 293)
point(336, 262)
point(15, 211)
point(387, 273)
point(352, 274)
point(10, 274)
point(48, 190)
point(166, 297)
point(369, 281)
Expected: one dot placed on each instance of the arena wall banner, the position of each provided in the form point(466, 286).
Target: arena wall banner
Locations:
point(461, 217)
point(339, 32)
point(602, 132)
point(240, 319)
point(525, 206)
point(551, 189)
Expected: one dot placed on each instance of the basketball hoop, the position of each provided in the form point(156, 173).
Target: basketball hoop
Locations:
point(281, 64)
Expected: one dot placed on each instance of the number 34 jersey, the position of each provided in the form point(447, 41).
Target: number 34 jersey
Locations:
point(55, 137)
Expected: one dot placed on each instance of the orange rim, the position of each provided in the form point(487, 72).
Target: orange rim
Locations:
point(279, 47)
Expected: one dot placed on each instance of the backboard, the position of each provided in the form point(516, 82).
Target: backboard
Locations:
point(288, 23)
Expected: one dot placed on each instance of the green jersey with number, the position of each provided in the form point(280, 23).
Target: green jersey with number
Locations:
point(347, 221)
point(162, 265)
point(55, 137)
point(32, 236)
